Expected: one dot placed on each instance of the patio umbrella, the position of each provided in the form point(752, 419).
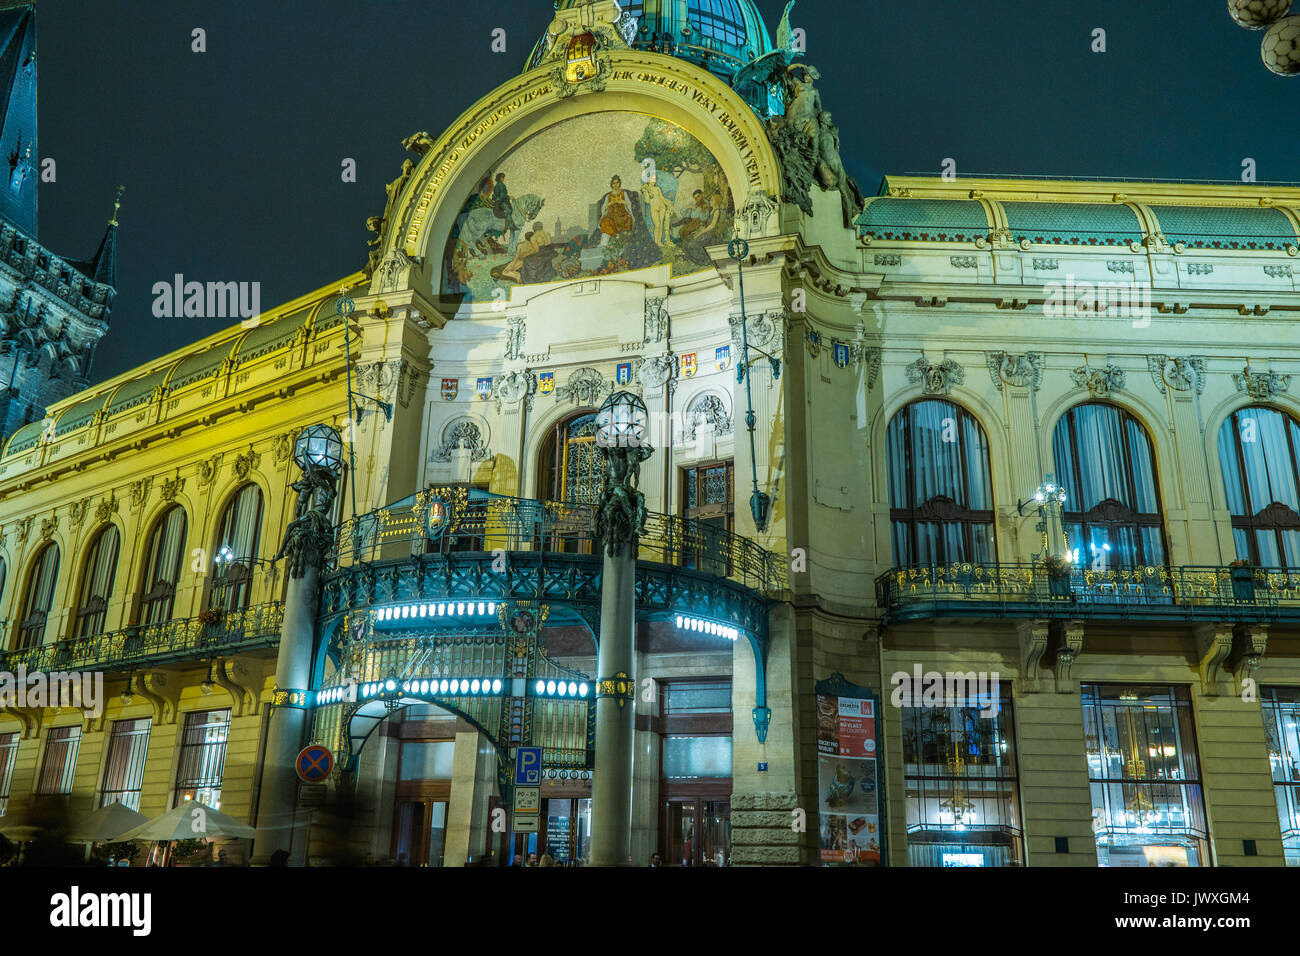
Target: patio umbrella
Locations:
point(190, 821)
point(104, 825)
point(21, 826)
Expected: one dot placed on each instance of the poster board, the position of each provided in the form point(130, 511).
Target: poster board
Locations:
point(850, 786)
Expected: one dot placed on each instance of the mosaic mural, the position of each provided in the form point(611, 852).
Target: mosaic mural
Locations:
point(591, 196)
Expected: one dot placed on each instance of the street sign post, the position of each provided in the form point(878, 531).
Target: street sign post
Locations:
point(314, 764)
point(528, 766)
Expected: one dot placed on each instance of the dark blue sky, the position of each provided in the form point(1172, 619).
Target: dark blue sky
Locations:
point(231, 158)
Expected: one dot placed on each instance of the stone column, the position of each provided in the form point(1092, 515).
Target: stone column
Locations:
point(611, 786)
point(619, 523)
point(307, 541)
point(277, 817)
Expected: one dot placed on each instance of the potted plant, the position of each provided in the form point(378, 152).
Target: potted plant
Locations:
point(1242, 572)
point(1058, 575)
point(209, 622)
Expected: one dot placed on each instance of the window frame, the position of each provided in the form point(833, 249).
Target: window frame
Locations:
point(1109, 513)
point(939, 509)
point(1275, 517)
point(90, 617)
point(33, 635)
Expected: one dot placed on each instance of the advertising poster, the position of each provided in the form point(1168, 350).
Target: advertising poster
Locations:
point(847, 797)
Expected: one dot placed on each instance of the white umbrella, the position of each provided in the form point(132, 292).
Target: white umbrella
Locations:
point(105, 825)
point(190, 821)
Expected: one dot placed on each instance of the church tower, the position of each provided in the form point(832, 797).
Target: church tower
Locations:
point(53, 310)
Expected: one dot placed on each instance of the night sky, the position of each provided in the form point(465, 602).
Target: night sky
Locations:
point(231, 158)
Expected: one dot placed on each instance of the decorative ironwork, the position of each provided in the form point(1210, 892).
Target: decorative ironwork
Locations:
point(153, 644)
point(1027, 590)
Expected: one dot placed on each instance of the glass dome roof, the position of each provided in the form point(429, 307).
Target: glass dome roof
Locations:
point(719, 35)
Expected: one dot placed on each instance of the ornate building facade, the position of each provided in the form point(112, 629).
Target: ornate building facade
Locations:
point(1035, 437)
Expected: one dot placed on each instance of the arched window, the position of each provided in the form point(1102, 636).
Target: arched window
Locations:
point(97, 583)
point(237, 537)
point(39, 597)
point(572, 467)
point(940, 491)
point(1261, 472)
point(162, 566)
point(1112, 512)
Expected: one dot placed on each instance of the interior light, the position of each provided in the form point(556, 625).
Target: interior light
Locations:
point(442, 687)
point(573, 689)
point(582, 689)
point(390, 685)
point(541, 687)
point(550, 687)
point(496, 686)
point(492, 607)
point(679, 620)
point(473, 686)
point(460, 607)
point(482, 608)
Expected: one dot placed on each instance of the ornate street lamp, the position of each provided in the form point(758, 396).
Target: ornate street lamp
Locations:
point(321, 446)
point(760, 503)
point(1048, 501)
point(623, 421)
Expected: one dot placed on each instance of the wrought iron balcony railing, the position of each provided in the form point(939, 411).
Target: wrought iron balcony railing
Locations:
point(1024, 589)
point(460, 519)
point(180, 639)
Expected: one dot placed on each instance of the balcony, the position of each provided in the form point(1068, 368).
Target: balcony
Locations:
point(1154, 594)
point(183, 639)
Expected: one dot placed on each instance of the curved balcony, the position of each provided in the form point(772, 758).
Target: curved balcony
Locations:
point(1139, 593)
point(454, 520)
point(155, 644)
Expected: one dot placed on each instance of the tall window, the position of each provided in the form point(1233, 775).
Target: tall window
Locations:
point(8, 756)
point(203, 757)
point(97, 583)
point(162, 566)
point(124, 773)
point(1112, 515)
point(709, 509)
point(1281, 706)
point(39, 597)
point(60, 762)
point(959, 771)
point(1147, 805)
point(237, 537)
point(1258, 450)
point(573, 468)
point(940, 491)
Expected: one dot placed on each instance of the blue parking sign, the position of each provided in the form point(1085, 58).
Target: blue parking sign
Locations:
point(528, 766)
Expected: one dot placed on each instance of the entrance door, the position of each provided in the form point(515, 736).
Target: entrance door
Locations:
point(697, 832)
point(420, 832)
point(568, 830)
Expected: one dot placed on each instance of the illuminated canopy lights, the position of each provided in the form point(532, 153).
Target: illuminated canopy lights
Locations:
point(442, 609)
point(552, 687)
point(419, 687)
point(708, 627)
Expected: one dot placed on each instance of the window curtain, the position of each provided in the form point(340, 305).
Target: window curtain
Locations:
point(101, 567)
point(242, 522)
point(40, 597)
point(162, 571)
point(1257, 456)
point(1103, 454)
point(924, 466)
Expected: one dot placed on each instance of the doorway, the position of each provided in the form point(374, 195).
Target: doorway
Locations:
point(420, 832)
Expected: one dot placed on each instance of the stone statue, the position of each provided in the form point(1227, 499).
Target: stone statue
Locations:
point(376, 225)
point(808, 145)
point(621, 514)
point(420, 142)
point(310, 535)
